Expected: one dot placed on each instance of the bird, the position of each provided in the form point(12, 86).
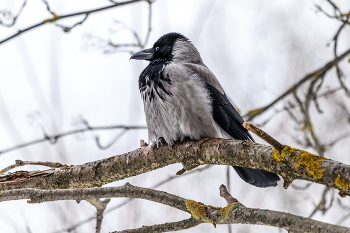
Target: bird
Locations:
point(183, 100)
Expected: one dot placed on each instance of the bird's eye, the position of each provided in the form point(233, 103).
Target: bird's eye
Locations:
point(156, 49)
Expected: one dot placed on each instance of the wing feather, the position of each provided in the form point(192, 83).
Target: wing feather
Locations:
point(226, 116)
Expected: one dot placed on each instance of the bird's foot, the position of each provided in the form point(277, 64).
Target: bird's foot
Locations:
point(153, 145)
point(143, 144)
point(160, 142)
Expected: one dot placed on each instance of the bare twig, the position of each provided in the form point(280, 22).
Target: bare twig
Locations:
point(344, 207)
point(54, 138)
point(337, 14)
point(149, 23)
point(100, 208)
point(225, 194)
point(108, 46)
point(20, 163)
point(321, 71)
point(321, 206)
point(9, 15)
point(68, 29)
point(263, 135)
point(59, 17)
point(48, 7)
point(289, 106)
point(301, 187)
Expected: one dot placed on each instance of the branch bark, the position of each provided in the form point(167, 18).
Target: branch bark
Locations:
point(290, 163)
point(59, 17)
point(233, 213)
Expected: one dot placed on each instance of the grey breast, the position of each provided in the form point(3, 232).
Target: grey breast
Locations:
point(184, 113)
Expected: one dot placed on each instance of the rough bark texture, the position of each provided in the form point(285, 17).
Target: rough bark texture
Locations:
point(233, 213)
point(166, 227)
point(291, 164)
point(289, 222)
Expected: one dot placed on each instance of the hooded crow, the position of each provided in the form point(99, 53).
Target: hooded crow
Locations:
point(184, 100)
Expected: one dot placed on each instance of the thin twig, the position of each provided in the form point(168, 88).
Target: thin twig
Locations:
point(68, 29)
point(59, 17)
point(48, 7)
point(14, 19)
point(253, 113)
point(54, 138)
point(289, 106)
point(321, 206)
point(100, 208)
point(225, 194)
point(20, 163)
point(120, 47)
point(301, 187)
point(263, 135)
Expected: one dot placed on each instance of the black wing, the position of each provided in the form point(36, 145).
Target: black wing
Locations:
point(226, 116)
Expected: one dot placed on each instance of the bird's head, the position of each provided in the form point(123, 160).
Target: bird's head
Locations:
point(170, 47)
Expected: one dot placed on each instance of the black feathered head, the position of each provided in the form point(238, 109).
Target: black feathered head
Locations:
point(170, 47)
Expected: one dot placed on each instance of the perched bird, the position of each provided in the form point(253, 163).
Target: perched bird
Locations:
point(184, 100)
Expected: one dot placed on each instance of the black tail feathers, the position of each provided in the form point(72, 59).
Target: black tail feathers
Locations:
point(256, 177)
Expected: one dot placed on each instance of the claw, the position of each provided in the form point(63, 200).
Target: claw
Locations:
point(143, 143)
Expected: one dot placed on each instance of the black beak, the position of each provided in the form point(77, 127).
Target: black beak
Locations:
point(146, 54)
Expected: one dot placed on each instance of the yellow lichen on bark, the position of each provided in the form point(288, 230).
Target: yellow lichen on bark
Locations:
point(341, 183)
point(311, 162)
point(198, 211)
point(286, 152)
point(226, 211)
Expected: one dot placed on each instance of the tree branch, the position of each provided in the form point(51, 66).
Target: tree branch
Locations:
point(100, 208)
point(166, 227)
point(315, 74)
point(166, 180)
point(59, 17)
point(291, 164)
point(54, 138)
point(10, 15)
point(233, 213)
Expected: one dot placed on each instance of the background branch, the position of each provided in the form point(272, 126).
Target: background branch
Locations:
point(59, 17)
point(52, 139)
point(315, 74)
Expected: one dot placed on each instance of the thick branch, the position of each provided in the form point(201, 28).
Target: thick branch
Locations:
point(233, 213)
point(166, 227)
point(115, 207)
point(291, 164)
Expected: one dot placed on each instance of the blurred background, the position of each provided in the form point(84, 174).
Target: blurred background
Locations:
point(53, 82)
